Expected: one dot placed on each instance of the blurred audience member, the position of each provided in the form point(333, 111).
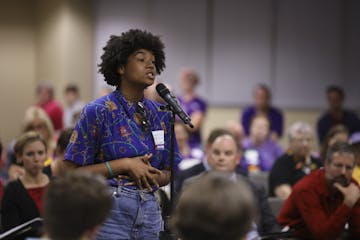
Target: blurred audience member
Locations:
point(326, 202)
point(262, 105)
point(151, 93)
point(193, 105)
point(73, 106)
point(338, 133)
point(46, 100)
point(260, 150)
point(56, 166)
point(355, 142)
point(223, 154)
point(214, 207)
point(190, 156)
point(36, 120)
point(22, 200)
point(336, 114)
point(236, 129)
point(75, 206)
point(296, 163)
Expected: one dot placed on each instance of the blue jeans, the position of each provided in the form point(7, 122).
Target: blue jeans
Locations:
point(136, 214)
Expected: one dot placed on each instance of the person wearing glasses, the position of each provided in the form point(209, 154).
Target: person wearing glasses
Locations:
point(127, 142)
point(325, 204)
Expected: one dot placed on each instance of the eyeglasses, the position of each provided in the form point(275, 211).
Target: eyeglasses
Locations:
point(140, 110)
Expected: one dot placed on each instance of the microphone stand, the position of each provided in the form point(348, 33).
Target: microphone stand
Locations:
point(166, 234)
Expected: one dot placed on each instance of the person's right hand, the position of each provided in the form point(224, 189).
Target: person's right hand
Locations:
point(141, 171)
point(351, 193)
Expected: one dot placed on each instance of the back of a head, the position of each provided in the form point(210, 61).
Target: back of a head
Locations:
point(214, 207)
point(64, 139)
point(75, 203)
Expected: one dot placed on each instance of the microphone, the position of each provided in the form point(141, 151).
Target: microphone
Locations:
point(165, 94)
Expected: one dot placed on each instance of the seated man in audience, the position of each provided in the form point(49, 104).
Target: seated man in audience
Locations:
point(223, 154)
point(76, 204)
point(323, 203)
point(296, 163)
point(336, 114)
point(214, 207)
point(262, 105)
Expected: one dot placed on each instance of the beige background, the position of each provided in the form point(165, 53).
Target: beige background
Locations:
point(37, 43)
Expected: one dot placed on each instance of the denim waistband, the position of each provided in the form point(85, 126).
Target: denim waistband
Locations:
point(133, 193)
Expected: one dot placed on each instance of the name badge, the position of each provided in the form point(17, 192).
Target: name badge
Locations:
point(159, 140)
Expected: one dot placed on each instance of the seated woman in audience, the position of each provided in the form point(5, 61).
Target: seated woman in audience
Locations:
point(22, 200)
point(260, 150)
point(262, 105)
point(36, 120)
point(296, 163)
point(338, 133)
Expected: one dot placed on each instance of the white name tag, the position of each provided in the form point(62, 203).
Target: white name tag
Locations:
point(159, 140)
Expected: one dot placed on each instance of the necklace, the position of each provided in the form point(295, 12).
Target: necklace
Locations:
point(137, 110)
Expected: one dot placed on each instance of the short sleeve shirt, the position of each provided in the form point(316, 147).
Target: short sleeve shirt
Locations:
point(107, 130)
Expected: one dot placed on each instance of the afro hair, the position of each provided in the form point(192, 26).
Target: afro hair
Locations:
point(119, 48)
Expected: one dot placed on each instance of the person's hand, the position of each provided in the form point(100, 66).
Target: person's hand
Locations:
point(15, 172)
point(351, 193)
point(283, 191)
point(141, 172)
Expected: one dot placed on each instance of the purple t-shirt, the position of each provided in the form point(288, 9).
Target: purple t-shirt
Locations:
point(194, 105)
point(106, 130)
point(275, 117)
point(262, 157)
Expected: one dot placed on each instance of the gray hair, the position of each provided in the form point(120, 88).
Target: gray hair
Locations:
point(299, 127)
point(340, 148)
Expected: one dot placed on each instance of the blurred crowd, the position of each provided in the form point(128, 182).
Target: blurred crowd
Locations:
point(37, 151)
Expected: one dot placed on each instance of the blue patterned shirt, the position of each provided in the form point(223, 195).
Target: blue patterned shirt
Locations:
point(106, 130)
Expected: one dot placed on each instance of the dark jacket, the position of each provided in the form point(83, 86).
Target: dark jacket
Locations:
point(17, 206)
point(266, 221)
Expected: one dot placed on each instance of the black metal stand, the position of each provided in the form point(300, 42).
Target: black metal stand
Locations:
point(166, 234)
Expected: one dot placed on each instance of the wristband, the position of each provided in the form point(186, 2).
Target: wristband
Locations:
point(111, 173)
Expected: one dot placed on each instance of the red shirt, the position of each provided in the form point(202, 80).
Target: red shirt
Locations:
point(315, 213)
point(36, 195)
point(55, 113)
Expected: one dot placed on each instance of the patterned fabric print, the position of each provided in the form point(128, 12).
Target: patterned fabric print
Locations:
point(106, 130)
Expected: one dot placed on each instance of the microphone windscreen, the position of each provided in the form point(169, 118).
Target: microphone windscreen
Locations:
point(162, 89)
